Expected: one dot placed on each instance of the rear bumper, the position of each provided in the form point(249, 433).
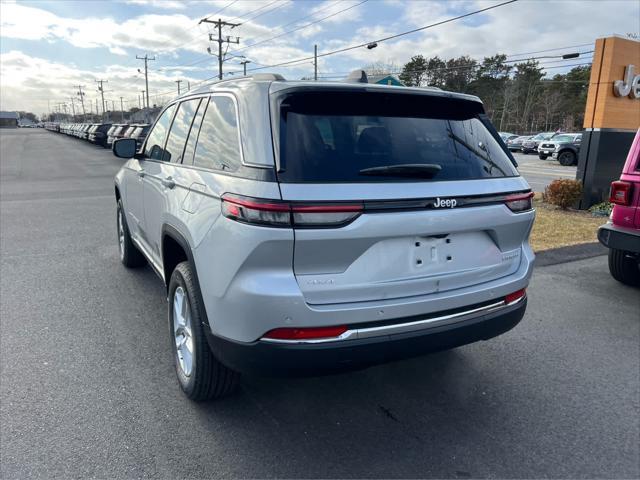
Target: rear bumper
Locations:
point(306, 359)
point(619, 238)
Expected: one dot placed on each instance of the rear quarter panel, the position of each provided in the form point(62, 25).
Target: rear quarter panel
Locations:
point(629, 216)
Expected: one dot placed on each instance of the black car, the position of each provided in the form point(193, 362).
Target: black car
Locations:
point(98, 134)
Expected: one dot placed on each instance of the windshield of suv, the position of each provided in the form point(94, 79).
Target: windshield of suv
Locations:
point(563, 138)
point(369, 137)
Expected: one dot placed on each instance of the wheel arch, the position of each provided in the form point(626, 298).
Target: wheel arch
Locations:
point(176, 249)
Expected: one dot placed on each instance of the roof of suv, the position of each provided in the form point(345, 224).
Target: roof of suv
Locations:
point(271, 83)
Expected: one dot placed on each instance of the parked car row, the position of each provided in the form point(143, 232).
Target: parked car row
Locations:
point(563, 147)
point(102, 133)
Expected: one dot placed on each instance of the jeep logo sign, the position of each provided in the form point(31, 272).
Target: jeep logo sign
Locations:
point(630, 86)
point(445, 202)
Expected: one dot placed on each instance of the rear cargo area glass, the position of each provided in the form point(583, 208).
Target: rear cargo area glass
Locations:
point(333, 136)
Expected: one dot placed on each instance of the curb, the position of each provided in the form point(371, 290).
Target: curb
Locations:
point(571, 253)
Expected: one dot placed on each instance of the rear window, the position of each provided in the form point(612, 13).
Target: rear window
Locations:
point(337, 136)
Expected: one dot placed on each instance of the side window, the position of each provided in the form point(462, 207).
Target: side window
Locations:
point(179, 131)
point(190, 148)
point(155, 143)
point(218, 145)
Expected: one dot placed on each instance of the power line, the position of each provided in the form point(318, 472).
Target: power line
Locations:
point(331, 5)
point(384, 39)
point(146, 73)
point(304, 26)
point(219, 24)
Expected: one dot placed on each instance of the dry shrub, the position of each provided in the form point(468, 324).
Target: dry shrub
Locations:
point(563, 193)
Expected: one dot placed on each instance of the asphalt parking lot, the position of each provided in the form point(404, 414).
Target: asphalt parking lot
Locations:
point(87, 387)
point(539, 173)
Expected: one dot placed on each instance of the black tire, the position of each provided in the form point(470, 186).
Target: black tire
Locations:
point(208, 379)
point(624, 268)
point(542, 156)
point(567, 158)
point(130, 256)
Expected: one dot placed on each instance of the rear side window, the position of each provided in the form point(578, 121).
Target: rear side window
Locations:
point(179, 131)
point(218, 146)
point(337, 136)
point(154, 147)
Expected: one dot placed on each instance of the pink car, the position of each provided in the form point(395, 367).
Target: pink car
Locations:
point(621, 234)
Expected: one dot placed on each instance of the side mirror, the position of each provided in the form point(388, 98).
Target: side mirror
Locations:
point(124, 148)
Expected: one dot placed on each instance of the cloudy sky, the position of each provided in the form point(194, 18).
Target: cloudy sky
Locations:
point(48, 47)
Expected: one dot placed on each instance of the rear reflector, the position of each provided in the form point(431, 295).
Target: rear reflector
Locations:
point(276, 213)
point(305, 333)
point(620, 193)
point(512, 297)
point(520, 202)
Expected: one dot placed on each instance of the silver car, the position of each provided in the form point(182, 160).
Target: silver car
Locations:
point(311, 227)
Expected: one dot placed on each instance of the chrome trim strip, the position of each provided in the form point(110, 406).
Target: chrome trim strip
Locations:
point(154, 266)
point(358, 333)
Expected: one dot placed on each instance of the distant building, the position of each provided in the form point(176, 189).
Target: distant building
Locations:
point(9, 119)
point(385, 80)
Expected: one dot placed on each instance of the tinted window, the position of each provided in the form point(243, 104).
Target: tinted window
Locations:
point(218, 145)
point(333, 137)
point(193, 134)
point(180, 130)
point(155, 141)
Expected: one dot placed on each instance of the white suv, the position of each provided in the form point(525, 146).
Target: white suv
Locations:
point(309, 227)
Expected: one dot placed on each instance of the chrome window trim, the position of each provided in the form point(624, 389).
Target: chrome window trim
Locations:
point(417, 325)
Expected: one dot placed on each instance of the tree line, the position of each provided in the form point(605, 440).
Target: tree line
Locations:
point(517, 96)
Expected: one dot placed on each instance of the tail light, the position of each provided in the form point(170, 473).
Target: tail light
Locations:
point(305, 333)
point(275, 213)
point(520, 202)
point(512, 297)
point(620, 193)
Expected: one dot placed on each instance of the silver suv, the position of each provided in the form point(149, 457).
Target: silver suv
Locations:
point(310, 227)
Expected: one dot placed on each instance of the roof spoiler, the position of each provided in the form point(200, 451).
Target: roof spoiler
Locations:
point(357, 76)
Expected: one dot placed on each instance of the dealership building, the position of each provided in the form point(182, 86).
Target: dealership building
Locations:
point(9, 119)
point(612, 115)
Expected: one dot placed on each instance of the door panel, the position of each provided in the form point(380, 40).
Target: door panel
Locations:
point(133, 205)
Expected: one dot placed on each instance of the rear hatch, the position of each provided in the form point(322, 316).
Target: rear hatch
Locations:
point(417, 184)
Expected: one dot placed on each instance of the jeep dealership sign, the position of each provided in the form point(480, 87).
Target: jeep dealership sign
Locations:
point(630, 86)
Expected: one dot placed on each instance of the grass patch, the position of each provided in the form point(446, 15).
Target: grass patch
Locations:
point(559, 228)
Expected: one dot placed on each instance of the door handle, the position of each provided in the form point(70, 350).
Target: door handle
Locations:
point(141, 173)
point(168, 182)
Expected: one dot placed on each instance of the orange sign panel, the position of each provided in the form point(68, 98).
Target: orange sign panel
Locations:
point(613, 100)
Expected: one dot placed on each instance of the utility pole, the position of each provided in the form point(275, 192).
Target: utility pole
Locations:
point(73, 107)
point(97, 111)
point(143, 99)
point(219, 24)
point(146, 73)
point(81, 95)
point(101, 90)
point(122, 109)
point(188, 86)
point(244, 66)
point(178, 82)
point(315, 62)
point(139, 102)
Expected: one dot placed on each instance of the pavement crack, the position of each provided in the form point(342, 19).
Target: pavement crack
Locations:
point(388, 413)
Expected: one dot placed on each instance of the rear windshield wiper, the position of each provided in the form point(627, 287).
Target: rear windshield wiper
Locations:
point(421, 170)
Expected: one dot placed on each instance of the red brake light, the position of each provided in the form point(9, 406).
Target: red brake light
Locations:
point(305, 333)
point(620, 193)
point(284, 214)
point(520, 202)
point(512, 297)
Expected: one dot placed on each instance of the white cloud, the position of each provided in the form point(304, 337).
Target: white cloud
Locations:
point(165, 4)
point(29, 82)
